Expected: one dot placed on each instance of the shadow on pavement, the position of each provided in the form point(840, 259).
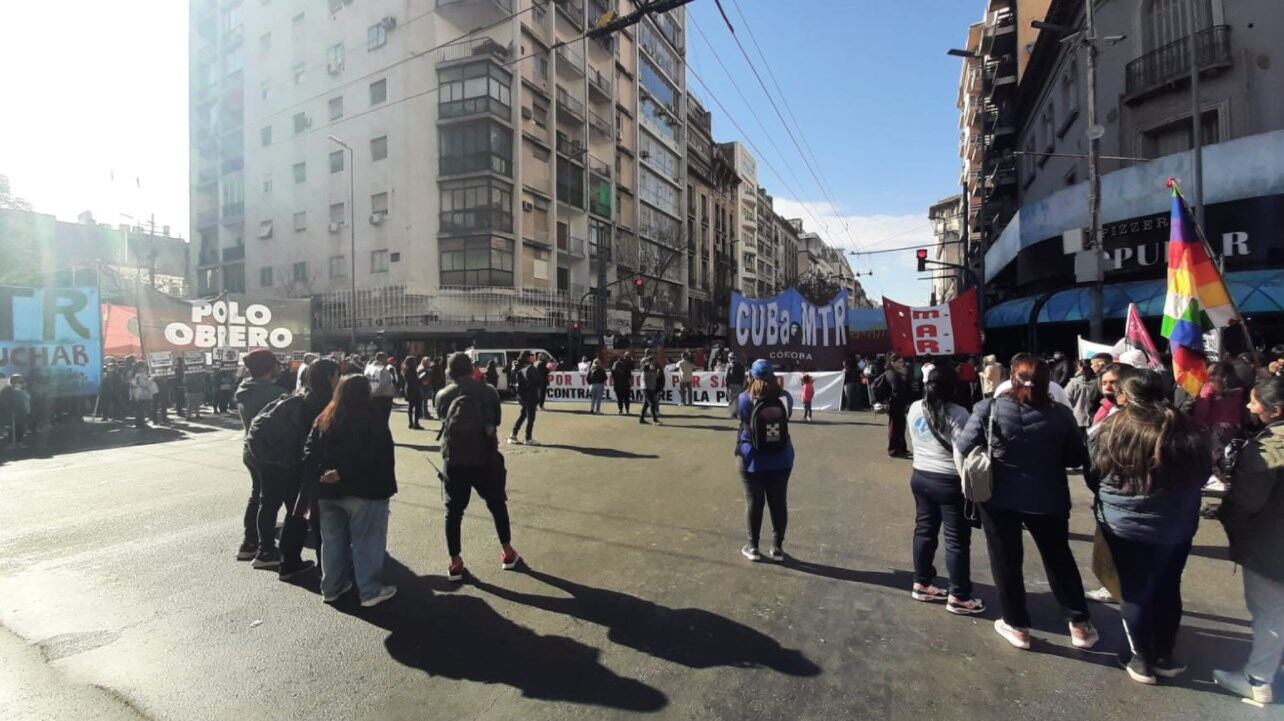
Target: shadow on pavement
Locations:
point(462, 637)
point(71, 438)
point(418, 447)
point(600, 452)
point(692, 637)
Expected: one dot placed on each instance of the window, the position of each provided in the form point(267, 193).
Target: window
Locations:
point(334, 58)
point(234, 278)
point(539, 111)
point(265, 277)
point(265, 134)
point(234, 61)
point(1069, 95)
point(661, 157)
point(336, 213)
point(378, 261)
point(540, 62)
point(265, 230)
point(378, 91)
point(1046, 135)
point(301, 122)
point(379, 204)
point(570, 183)
point(265, 89)
point(336, 107)
point(300, 73)
point(474, 262)
point(265, 42)
point(476, 147)
point(659, 193)
point(377, 35)
point(300, 221)
point(379, 148)
point(395, 257)
point(476, 205)
point(267, 184)
point(1175, 137)
point(475, 88)
point(336, 161)
point(1165, 21)
point(338, 266)
point(300, 172)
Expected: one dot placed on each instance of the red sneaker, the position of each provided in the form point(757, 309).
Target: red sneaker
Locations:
point(456, 571)
point(508, 561)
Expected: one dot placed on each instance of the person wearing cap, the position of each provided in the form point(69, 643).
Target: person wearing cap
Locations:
point(255, 392)
point(765, 473)
point(734, 382)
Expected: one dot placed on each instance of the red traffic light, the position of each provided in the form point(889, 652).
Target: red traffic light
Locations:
point(921, 253)
point(639, 283)
point(575, 327)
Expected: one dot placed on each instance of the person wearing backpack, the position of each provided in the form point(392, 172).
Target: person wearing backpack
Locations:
point(266, 497)
point(622, 382)
point(938, 495)
point(470, 411)
point(652, 381)
point(766, 455)
point(528, 393)
point(734, 382)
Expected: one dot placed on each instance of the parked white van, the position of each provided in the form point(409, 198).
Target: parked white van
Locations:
point(503, 357)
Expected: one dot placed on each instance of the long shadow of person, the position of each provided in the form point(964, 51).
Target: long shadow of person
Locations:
point(462, 637)
point(691, 637)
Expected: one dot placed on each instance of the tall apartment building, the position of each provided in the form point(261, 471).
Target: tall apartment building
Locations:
point(946, 216)
point(711, 182)
point(494, 180)
point(746, 196)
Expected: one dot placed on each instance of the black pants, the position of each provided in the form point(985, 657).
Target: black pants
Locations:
point(766, 488)
point(457, 485)
point(896, 430)
point(1150, 583)
point(543, 393)
point(651, 399)
point(1052, 536)
point(624, 398)
point(278, 487)
point(414, 410)
point(252, 506)
point(938, 499)
point(852, 396)
point(141, 411)
point(294, 533)
point(383, 405)
point(526, 415)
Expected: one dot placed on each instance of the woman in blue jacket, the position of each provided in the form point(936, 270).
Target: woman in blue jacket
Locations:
point(1035, 441)
point(1149, 461)
point(766, 460)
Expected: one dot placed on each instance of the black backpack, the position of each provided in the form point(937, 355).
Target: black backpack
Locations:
point(466, 438)
point(769, 425)
point(277, 433)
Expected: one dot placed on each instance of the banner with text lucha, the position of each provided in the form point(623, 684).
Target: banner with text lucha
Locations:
point(53, 338)
point(228, 321)
point(790, 331)
point(706, 389)
point(947, 329)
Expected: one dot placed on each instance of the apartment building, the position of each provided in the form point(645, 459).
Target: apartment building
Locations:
point(746, 197)
point(711, 258)
point(946, 216)
point(417, 184)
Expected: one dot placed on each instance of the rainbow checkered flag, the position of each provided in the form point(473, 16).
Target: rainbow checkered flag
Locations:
point(1197, 298)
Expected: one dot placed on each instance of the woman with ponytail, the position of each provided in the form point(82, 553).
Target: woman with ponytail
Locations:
point(1149, 461)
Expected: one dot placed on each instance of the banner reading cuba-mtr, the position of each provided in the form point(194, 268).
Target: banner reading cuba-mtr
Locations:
point(789, 331)
point(52, 337)
point(228, 321)
point(947, 329)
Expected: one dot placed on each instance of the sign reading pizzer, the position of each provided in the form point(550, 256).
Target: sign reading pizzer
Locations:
point(221, 323)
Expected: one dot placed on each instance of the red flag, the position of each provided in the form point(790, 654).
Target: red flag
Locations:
point(1137, 335)
point(120, 331)
point(947, 329)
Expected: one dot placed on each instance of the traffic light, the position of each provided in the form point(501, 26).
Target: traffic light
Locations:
point(921, 253)
point(575, 326)
point(639, 283)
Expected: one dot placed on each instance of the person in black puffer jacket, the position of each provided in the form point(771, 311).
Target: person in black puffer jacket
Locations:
point(1035, 440)
point(1149, 462)
point(322, 377)
point(349, 453)
point(253, 394)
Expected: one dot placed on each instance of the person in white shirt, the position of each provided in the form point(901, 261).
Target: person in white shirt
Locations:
point(686, 368)
point(383, 386)
point(584, 364)
point(301, 381)
point(1057, 393)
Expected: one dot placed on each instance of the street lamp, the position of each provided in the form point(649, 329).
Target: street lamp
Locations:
point(352, 241)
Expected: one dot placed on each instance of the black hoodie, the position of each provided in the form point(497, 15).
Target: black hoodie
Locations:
point(252, 395)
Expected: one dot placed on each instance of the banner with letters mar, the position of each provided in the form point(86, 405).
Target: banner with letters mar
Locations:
point(53, 338)
point(946, 329)
point(706, 388)
point(228, 321)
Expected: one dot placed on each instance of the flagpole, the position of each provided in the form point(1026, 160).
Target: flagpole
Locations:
point(1208, 249)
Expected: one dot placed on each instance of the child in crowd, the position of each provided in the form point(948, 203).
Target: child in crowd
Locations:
point(808, 394)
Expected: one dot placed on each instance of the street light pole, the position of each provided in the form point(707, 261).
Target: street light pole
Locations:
point(1089, 40)
point(352, 241)
point(1196, 121)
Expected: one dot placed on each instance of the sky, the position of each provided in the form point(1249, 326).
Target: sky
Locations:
point(98, 119)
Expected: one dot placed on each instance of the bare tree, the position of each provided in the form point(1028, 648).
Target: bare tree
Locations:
point(18, 240)
point(642, 305)
point(816, 288)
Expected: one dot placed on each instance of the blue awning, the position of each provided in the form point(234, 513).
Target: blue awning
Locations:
point(1254, 291)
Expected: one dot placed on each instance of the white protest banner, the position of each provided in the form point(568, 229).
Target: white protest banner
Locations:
point(706, 389)
point(193, 359)
point(161, 363)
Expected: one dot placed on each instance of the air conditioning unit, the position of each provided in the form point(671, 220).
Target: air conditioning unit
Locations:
point(644, 154)
point(528, 205)
point(377, 218)
point(389, 23)
point(527, 114)
point(333, 68)
point(334, 227)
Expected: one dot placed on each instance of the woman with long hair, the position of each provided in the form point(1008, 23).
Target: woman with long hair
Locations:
point(414, 394)
point(1034, 441)
point(1148, 463)
point(766, 457)
point(938, 494)
point(350, 454)
point(1253, 514)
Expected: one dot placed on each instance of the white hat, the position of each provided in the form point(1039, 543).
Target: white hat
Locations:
point(1136, 358)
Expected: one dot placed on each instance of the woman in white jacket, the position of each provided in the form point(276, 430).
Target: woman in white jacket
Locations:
point(141, 390)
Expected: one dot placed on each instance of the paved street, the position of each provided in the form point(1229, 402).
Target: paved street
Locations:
point(119, 597)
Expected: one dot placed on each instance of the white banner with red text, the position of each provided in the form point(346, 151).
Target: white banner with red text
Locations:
point(707, 389)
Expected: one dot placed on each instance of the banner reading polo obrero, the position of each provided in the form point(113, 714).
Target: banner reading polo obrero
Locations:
point(790, 331)
point(228, 321)
point(52, 337)
point(947, 329)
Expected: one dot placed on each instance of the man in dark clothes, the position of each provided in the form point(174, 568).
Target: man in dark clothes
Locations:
point(253, 394)
point(893, 390)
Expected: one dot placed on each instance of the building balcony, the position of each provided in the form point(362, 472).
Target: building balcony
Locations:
point(1168, 67)
point(233, 254)
point(570, 62)
point(480, 162)
point(600, 87)
point(573, 246)
point(206, 219)
point(476, 221)
point(483, 48)
point(600, 126)
point(570, 149)
point(569, 109)
point(599, 166)
point(206, 178)
point(232, 213)
point(475, 13)
point(572, 11)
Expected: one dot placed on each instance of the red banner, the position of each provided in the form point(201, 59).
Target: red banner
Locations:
point(947, 329)
point(120, 331)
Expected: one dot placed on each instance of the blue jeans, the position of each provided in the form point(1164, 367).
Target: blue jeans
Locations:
point(938, 500)
point(595, 397)
point(354, 540)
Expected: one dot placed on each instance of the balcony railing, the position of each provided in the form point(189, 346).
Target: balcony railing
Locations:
point(569, 148)
point(235, 253)
point(505, 6)
point(1151, 72)
point(599, 166)
point(601, 126)
point(476, 220)
point(207, 218)
point(569, 104)
point(600, 83)
point(479, 162)
point(401, 306)
point(572, 245)
point(573, 11)
point(233, 212)
point(571, 59)
point(478, 47)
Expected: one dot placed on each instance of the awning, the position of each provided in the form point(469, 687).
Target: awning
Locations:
point(1254, 291)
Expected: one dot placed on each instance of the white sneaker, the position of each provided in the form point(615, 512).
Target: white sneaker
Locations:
point(513, 441)
point(384, 594)
point(331, 599)
point(1018, 637)
point(532, 442)
point(1083, 635)
point(1215, 485)
point(1100, 595)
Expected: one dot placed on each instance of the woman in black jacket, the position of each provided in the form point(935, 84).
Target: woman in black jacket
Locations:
point(414, 394)
point(1035, 439)
point(350, 454)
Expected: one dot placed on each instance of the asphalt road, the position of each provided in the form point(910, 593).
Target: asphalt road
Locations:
point(120, 599)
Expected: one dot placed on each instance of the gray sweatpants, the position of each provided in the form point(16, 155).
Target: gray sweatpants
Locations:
point(1265, 600)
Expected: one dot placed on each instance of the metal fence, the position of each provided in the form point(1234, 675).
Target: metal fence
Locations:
point(451, 309)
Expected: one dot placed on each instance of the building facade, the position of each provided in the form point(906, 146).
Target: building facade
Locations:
point(946, 217)
point(746, 222)
point(483, 181)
